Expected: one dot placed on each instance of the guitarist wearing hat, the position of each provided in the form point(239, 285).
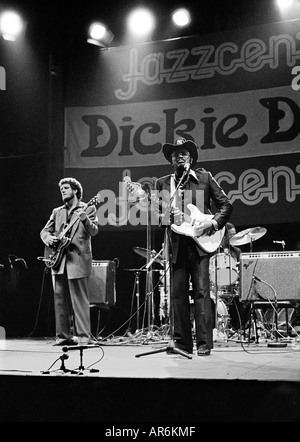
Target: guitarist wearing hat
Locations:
point(191, 241)
point(67, 238)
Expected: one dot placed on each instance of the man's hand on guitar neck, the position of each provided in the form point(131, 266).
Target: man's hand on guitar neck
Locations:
point(82, 216)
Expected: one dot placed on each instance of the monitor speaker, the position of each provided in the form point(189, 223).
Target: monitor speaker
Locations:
point(102, 284)
point(270, 276)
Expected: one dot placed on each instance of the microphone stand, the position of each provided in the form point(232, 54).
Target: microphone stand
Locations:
point(216, 293)
point(275, 344)
point(81, 367)
point(62, 366)
point(149, 274)
point(170, 348)
point(137, 294)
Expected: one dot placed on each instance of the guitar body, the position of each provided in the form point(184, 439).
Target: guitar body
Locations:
point(53, 256)
point(208, 243)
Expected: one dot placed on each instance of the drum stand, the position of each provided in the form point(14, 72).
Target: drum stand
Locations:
point(149, 274)
point(137, 295)
point(217, 284)
point(216, 294)
point(164, 306)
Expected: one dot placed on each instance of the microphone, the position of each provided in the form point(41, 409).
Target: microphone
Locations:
point(186, 170)
point(80, 347)
point(63, 357)
point(187, 167)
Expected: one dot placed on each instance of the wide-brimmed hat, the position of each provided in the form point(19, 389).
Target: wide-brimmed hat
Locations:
point(181, 143)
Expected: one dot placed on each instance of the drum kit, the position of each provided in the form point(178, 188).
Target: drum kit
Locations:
point(223, 271)
point(224, 274)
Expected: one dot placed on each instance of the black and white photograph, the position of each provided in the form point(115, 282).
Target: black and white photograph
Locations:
point(150, 222)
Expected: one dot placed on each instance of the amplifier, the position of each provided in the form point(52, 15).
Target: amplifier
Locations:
point(102, 284)
point(270, 276)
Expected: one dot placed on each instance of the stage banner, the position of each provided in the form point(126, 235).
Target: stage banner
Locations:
point(236, 94)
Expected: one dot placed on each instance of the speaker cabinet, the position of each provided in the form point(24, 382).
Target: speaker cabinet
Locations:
point(102, 284)
point(270, 276)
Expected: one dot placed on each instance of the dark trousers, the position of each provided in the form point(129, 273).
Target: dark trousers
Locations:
point(190, 267)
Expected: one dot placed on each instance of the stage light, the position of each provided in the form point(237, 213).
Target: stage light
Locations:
point(100, 35)
point(97, 31)
point(181, 17)
point(284, 3)
point(141, 22)
point(11, 25)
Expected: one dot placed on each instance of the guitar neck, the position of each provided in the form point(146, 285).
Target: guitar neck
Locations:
point(68, 227)
point(136, 189)
point(166, 206)
point(73, 221)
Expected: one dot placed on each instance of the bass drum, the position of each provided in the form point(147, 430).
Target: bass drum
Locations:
point(225, 266)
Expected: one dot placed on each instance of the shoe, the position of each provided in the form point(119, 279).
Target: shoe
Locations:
point(87, 341)
point(64, 341)
point(203, 351)
point(61, 341)
point(72, 341)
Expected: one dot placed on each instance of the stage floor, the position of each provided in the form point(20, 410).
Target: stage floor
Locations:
point(120, 357)
point(237, 382)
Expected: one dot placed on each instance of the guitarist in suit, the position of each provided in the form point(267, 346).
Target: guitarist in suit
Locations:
point(70, 275)
point(189, 261)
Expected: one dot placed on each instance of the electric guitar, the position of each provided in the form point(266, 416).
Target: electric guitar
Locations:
point(53, 255)
point(208, 243)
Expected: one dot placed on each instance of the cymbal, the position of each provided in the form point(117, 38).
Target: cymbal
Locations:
point(247, 236)
point(145, 253)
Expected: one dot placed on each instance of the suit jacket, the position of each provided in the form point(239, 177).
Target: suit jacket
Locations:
point(210, 192)
point(77, 257)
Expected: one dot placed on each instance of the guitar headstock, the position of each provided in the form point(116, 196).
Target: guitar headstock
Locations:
point(134, 188)
point(95, 201)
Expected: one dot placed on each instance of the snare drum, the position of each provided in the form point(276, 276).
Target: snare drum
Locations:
point(226, 268)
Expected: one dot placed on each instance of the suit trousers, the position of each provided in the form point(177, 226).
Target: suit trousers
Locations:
point(194, 268)
point(71, 299)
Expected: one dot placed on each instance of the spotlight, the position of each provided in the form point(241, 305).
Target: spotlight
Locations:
point(97, 31)
point(181, 17)
point(141, 22)
point(284, 3)
point(11, 25)
point(100, 35)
